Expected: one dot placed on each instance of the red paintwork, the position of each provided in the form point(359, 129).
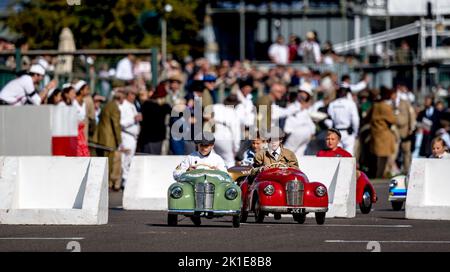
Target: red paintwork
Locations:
point(363, 182)
point(278, 177)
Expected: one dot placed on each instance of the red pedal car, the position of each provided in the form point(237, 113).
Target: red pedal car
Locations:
point(283, 190)
point(365, 193)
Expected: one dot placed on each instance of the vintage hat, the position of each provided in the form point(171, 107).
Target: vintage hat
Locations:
point(37, 69)
point(79, 85)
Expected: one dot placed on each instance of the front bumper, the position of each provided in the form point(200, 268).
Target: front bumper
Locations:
point(208, 213)
point(397, 195)
point(397, 198)
point(292, 209)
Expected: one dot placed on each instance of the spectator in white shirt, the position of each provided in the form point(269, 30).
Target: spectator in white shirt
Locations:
point(279, 52)
point(124, 69)
point(22, 90)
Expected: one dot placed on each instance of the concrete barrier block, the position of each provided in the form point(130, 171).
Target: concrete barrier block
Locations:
point(428, 190)
point(148, 180)
point(339, 176)
point(53, 190)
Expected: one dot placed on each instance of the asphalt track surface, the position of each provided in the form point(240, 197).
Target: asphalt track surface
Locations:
point(382, 229)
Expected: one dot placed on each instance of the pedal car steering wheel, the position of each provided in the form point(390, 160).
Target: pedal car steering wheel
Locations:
point(275, 164)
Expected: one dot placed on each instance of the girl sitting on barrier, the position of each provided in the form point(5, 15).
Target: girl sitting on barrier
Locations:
point(439, 149)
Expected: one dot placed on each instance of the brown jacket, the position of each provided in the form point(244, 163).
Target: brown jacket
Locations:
point(406, 119)
point(265, 158)
point(108, 131)
point(381, 118)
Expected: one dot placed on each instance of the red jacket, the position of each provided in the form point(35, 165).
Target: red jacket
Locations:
point(339, 152)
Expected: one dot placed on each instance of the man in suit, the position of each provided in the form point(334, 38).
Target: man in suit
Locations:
point(429, 123)
point(108, 135)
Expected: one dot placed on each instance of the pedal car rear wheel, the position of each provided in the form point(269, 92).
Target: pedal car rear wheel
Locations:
point(259, 215)
point(299, 217)
point(196, 220)
point(320, 218)
point(277, 216)
point(243, 216)
point(366, 203)
point(236, 221)
point(397, 205)
point(172, 219)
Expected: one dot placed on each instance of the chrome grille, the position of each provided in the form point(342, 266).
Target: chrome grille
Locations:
point(294, 193)
point(204, 195)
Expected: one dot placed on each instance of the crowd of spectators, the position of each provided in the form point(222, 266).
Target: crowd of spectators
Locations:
point(382, 128)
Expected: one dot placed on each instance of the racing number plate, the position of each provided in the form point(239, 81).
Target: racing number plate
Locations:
point(296, 210)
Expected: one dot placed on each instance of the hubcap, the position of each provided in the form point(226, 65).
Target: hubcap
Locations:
point(366, 199)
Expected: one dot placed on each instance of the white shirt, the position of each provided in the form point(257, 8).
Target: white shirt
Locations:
point(125, 70)
point(276, 153)
point(344, 114)
point(246, 110)
point(199, 161)
point(16, 91)
point(128, 122)
point(81, 110)
point(280, 112)
point(301, 120)
point(227, 125)
point(279, 53)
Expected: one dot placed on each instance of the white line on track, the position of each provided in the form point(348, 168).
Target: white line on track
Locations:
point(336, 225)
point(42, 238)
point(391, 242)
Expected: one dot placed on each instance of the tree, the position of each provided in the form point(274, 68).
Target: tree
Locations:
point(103, 23)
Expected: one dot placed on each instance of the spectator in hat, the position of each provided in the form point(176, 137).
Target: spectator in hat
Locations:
point(22, 90)
point(89, 116)
point(81, 92)
point(129, 122)
point(153, 126)
point(299, 126)
point(210, 93)
point(68, 95)
point(175, 94)
point(109, 138)
point(310, 49)
point(98, 101)
point(54, 96)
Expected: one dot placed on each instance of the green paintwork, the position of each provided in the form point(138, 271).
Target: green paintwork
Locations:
point(221, 180)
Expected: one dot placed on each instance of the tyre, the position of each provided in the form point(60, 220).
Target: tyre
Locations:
point(243, 216)
point(299, 217)
point(172, 219)
point(259, 214)
point(366, 204)
point(277, 216)
point(397, 205)
point(236, 221)
point(320, 218)
point(196, 220)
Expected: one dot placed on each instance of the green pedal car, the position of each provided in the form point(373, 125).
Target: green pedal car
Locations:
point(204, 193)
